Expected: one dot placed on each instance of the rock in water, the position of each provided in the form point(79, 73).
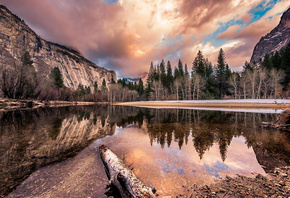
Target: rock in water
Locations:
point(278, 38)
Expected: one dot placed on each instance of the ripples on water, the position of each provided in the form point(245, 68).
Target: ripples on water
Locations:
point(169, 148)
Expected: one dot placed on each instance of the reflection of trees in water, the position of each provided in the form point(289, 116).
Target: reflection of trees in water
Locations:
point(202, 129)
point(205, 127)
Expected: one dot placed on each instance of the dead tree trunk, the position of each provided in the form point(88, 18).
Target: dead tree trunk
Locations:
point(122, 178)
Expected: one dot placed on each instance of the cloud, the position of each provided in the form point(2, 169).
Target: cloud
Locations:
point(126, 36)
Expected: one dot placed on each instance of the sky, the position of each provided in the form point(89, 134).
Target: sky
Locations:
point(126, 35)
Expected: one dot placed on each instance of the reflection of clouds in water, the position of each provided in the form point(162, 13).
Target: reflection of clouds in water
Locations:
point(216, 168)
point(169, 167)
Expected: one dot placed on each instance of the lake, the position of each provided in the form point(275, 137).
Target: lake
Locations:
point(53, 152)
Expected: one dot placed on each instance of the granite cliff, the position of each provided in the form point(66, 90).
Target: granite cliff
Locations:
point(278, 38)
point(16, 37)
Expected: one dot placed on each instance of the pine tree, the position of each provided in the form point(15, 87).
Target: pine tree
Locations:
point(162, 73)
point(57, 78)
point(95, 87)
point(180, 68)
point(285, 66)
point(104, 85)
point(198, 65)
point(221, 74)
point(209, 77)
point(185, 69)
point(150, 75)
point(267, 63)
point(26, 59)
point(176, 73)
point(276, 60)
point(169, 77)
point(140, 88)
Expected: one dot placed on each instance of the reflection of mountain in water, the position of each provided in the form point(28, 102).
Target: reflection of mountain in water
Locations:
point(34, 138)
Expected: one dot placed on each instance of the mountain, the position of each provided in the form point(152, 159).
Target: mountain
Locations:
point(278, 38)
point(133, 80)
point(16, 38)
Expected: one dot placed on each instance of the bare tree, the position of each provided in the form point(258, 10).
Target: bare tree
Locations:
point(262, 73)
point(177, 84)
point(235, 83)
point(276, 78)
point(198, 86)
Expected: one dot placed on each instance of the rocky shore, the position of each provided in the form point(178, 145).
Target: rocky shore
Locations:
point(276, 184)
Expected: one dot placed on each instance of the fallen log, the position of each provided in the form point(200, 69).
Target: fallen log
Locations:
point(121, 178)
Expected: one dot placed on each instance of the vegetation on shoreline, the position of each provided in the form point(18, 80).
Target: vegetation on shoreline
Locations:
point(268, 79)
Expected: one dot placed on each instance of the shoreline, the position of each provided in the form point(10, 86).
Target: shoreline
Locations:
point(13, 104)
point(229, 104)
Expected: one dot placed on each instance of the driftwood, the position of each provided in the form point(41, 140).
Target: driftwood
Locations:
point(122, 181)
point(283, 123)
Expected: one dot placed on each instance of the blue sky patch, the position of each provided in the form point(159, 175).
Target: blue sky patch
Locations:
point(260, 10)
point(111, 1)
point(170, 41)
point(256, 14)
point(212, 38)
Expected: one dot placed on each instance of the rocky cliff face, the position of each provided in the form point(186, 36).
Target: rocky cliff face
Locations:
point(16, 38)
point(278, 38)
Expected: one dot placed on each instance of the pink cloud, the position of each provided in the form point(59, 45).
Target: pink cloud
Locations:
point(126, 36)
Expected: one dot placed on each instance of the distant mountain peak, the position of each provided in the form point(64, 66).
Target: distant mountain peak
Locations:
point(285, 20)
point(274, 41)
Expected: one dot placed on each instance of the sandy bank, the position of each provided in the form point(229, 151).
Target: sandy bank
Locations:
point(237, 104)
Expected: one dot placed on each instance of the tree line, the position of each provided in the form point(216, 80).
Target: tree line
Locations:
point(269, 78)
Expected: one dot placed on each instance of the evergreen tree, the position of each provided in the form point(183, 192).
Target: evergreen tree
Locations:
point(104, 85)
point(276, 60)
point(180, 68)
point(176, 73)
point(150, 75)
point(221, 74)
point(95, 87)
point(198, 65)
point(26, 59)
point(140, 88)
point(267, 63)
point(248, 66)
point(57, 78)
point(285, 66)
point(185, 69)
point(209, 77)
point(169, 77)
point(81, 91)
point(162, 73)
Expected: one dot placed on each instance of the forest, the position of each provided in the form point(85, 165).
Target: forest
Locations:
point(269, 78)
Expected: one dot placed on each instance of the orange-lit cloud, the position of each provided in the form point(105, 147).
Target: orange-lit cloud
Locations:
point(126, 36)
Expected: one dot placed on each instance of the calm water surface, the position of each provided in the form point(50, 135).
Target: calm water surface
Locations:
point(52, 152)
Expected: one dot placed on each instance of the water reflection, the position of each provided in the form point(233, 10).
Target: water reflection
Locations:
point(210, 127)
point(34, 138)
point(175, 141)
